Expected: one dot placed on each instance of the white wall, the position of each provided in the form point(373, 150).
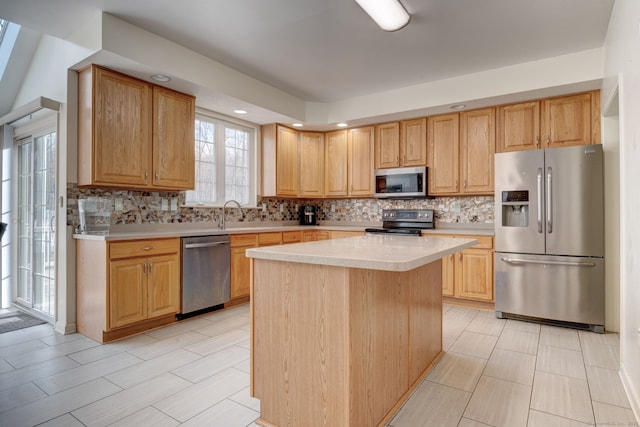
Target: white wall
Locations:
point(622, 72)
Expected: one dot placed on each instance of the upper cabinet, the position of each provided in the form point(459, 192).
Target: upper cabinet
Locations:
point(349, 162)
point(132, 134)
point(336, 151)
point(554, 122)
point(460, 152)
point(279, 161)
point(311, 152)
point(400, 144)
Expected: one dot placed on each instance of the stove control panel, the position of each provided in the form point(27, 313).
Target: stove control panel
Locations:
point(407, 215)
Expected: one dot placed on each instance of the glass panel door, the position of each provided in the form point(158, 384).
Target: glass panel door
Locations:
point(36, 208)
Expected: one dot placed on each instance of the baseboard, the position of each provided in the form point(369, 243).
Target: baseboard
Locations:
point(65, 328)
point(632, 394)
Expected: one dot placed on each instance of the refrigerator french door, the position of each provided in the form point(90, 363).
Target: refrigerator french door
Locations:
point(549, 240)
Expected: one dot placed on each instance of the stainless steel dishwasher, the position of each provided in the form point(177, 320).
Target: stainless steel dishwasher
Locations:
point(205, 273)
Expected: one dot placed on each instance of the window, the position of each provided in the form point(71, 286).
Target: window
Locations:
point(225, 163)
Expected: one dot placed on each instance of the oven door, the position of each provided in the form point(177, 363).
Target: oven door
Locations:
point(401, 183)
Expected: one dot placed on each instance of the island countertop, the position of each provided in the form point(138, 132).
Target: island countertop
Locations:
point(374, 252)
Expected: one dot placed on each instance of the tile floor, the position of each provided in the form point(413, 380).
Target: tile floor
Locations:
point(196, 373)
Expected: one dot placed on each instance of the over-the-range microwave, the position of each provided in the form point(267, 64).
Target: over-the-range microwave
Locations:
point(401, 183)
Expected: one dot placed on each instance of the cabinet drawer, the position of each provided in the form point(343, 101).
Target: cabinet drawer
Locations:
point(244, 240)
point(291, 236)
point(137, 248)
point(484, 242)
point(266, 239)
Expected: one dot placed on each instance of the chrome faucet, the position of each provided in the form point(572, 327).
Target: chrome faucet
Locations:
point(221, 225)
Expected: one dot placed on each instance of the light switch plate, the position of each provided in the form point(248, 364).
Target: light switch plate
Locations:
point(174, 204)
point(281, 208)
point(165, 205)
point(333, 207)
point(118, 204)
point(264, 208)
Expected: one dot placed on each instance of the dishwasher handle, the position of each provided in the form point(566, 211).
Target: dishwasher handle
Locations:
point(204, 245)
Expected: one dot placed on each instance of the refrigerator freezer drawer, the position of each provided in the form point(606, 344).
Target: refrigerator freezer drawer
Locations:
point(566, 289)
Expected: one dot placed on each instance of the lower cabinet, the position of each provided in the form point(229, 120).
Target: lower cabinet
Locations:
point(468, 274)
point(137, 287)
point(241, 265)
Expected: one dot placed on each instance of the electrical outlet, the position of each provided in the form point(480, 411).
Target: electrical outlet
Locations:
point(456, 207)
point(165, 205)
point(264, 208)
point(376, 208)
point(118, 204)
point(281, 208)
point(174, 204)
point(296, 208)
point(333, 207)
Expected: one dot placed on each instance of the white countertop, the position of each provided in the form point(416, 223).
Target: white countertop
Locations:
point(373, 252)
point(156, 231)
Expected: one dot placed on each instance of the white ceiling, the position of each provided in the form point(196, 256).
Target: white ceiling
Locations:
point(330, 50)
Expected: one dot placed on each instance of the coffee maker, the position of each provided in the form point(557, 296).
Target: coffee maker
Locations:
point(308, 215)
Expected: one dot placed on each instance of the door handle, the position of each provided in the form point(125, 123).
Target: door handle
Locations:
point(539, 181)
point(549, 198)
point(535, 261)
point(203, 245)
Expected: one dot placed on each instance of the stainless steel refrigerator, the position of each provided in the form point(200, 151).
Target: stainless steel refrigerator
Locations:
point(549, 236)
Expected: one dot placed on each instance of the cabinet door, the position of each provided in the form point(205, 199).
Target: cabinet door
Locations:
point(443, 153)
point(240, 273)
point(387, 151)
point(121, 130)
point(127, 292)
point(477, 147)
point(309, 236)
point(448, 263)
point(311, 152)
point(413, 142)
point(566, 121)
point(518, 127)
point(361, 153)
point(286, 162)
point(163, 285)
point(173, 139)
point(336, 154)
point(474, 274)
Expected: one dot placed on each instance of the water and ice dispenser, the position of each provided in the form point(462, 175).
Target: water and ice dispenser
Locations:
point(515, 208)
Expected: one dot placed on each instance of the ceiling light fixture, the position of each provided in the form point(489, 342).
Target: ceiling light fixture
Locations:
point(342, 125)
point(390, 15)
point(160, 78)
point(297, 125)
point(458, 106)
point(240, 111)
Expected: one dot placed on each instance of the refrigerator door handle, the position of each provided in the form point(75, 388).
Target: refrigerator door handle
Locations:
point(549, 197)
point(533, 261)
point(539, 181)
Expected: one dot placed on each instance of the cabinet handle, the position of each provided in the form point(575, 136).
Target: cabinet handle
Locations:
point(145, 268)
point(146, 176)
point(157, 176)
point(465, 184)
point(150, 267)
point(146, 248)
point(537, 141)
point(548, 140)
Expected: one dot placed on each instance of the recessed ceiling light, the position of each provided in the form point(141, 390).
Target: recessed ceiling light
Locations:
point(458, 106)
point(160, 78)
point(342, 125)
point(240, 111)
point(297, 125)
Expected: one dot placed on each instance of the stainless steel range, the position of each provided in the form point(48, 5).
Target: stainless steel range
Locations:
point(404, 222)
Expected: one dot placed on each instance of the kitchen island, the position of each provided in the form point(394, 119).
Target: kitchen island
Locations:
point(343, 330)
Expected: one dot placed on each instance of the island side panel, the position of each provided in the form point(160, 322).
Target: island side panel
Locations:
point(425, 319)
point(91, 288)
point(379, 323)
point(300, 343)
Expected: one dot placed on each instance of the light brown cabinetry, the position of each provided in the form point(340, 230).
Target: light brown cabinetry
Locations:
point(547, 123)
point(291, 237)
point(469, 274)
point(401, 144)
point(349, 162)
point(240, 265)
point(286, 162)
point(339, 234)
point(460, 153)
point(136, 288)
point(360, 161)
point(311, 161)
point(132, 134)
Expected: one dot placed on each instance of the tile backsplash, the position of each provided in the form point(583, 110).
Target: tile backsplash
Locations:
point(141, 207)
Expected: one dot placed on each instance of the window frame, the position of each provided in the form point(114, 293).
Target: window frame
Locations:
point(254, 153)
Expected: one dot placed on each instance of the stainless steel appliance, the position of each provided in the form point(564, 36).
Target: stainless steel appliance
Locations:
point(549, 236)
point(308, 215)
point(404, 222)
point(401, 183)
point(206, 265)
